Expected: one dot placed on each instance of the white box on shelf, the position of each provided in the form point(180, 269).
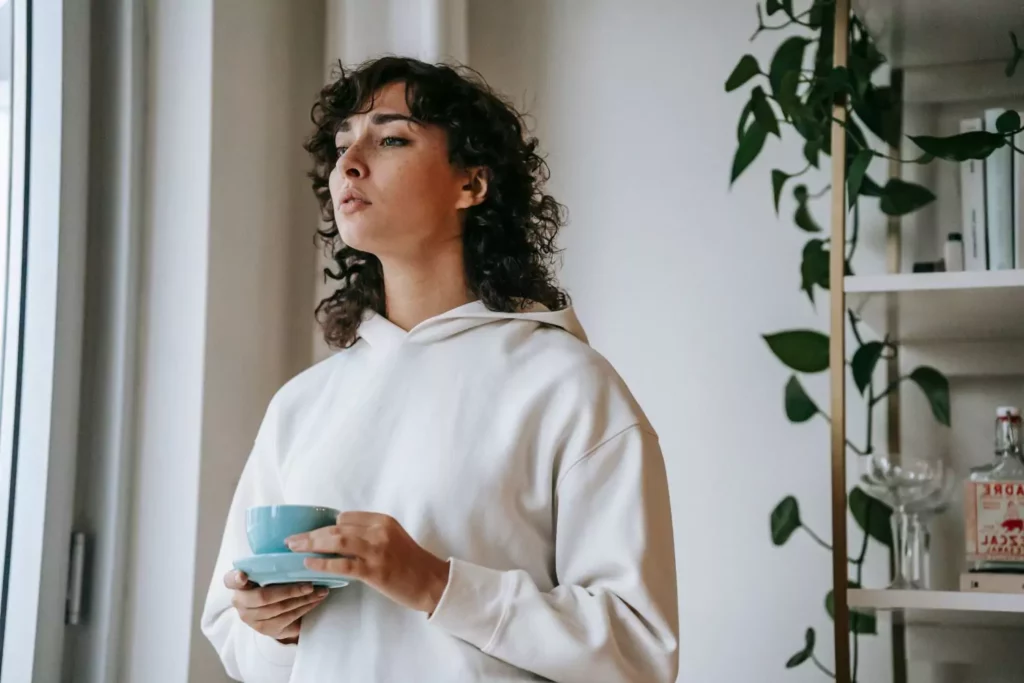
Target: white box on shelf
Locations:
point(999, 190)
point(984, 582)
point(972, 205)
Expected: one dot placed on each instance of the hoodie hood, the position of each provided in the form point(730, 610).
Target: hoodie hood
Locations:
point(381, 333)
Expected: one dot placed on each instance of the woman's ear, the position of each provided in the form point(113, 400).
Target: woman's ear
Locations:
point(474, 188)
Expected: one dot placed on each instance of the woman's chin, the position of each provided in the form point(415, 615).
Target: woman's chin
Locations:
point(358, 235)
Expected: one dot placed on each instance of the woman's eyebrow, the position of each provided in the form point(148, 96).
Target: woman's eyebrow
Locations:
point(379, 120)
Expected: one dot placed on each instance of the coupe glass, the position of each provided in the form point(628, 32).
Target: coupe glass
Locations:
point(901, 481)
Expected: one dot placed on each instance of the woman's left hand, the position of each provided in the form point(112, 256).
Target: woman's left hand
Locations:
point(380, 553)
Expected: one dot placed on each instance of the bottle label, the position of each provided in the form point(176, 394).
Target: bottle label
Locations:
point(994, 522)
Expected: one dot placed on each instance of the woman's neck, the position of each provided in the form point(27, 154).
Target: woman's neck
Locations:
point(417, 291)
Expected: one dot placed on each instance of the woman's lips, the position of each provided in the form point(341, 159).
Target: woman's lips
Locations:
point(350, 206)
point(351, 201)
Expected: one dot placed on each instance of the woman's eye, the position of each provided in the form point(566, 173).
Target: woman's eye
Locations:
point(393, 141)
point(341, 151)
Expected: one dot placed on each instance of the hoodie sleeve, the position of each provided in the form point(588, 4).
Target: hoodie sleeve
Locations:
point(247, 655)
point(613, 617)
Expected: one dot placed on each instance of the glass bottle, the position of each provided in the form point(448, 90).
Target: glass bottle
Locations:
point(994, 502)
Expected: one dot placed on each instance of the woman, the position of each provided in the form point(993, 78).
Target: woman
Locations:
point(505, 508)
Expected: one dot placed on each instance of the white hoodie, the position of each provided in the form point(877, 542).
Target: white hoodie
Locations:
point(504, 443)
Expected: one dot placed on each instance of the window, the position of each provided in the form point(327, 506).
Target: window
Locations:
point(43, 152)
point(7, 408)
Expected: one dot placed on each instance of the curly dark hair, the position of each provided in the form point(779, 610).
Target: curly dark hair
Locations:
point(508, 239)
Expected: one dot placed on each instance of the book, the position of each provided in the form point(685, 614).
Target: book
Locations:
point(972, 205)
point(999, 192)
point(1018, 201)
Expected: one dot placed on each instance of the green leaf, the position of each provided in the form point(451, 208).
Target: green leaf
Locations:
point(778, 181)
point(788, 59)
point(821, 14)
point(748, 111)
point(800, 350)
point(750, 146)
point(860, 74)
point(855, 174)
point(864, 361)
point(786, 95)
point(900, 197)
point(1008, 122)
point(855, 139)
point(799, 406)
point(879, 109)
point(936, 389)
point(811, 150)
point(804, 654)
point(804, 220)
point(869, 188)
point(872, 515)
point(773, 6)
point(763, 112)
point(814, 267)
point(860, 623)
point(746, 69)
point(837, 81)
point(785, 520)
point(977, 144)
point(868, 56)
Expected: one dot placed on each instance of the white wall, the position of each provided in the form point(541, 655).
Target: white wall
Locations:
point(675, 278)
point(229, 223)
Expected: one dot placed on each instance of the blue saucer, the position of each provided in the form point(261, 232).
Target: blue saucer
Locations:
point(273, 568)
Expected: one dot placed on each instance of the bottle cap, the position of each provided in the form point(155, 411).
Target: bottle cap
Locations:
point(1007, 411)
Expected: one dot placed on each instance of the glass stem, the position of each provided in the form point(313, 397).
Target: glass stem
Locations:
point(917, 550)
point(902, 576)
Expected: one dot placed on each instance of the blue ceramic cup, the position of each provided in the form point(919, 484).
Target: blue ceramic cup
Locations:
point(267, 526)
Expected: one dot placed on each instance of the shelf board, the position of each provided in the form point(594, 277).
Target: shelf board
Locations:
point(938, 307)
point(921, 33)
point(942, 608)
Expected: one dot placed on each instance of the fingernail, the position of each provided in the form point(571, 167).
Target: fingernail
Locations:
point(307, 589)
point(322, 591)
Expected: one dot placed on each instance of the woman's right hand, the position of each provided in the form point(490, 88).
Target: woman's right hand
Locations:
point(274, 611)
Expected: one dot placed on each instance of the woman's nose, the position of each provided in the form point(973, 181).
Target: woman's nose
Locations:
point(352, 164)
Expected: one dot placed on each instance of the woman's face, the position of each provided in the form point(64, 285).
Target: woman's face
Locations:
point(394, 191)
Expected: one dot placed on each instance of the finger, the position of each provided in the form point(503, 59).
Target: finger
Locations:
point(291, 630)
point(337, 540)
point(278, 625)
point(278, 608)
point(359, 518)
point(237, 581)
point(268, 595)
point(343, 566)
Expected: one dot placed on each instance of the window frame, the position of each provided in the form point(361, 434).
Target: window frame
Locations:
point(43, 327)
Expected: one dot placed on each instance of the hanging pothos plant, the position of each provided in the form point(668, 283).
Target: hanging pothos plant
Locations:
point(789, 96)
